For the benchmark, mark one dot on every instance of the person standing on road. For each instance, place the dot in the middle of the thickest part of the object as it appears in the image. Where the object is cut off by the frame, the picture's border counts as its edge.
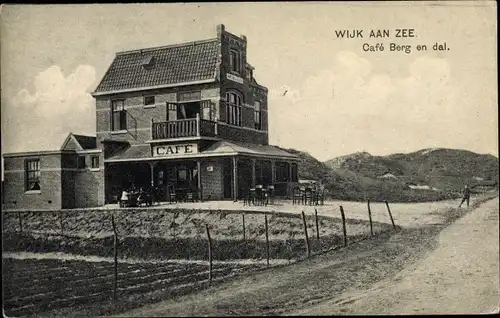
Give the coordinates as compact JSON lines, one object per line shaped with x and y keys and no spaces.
{"x":466,"y":196}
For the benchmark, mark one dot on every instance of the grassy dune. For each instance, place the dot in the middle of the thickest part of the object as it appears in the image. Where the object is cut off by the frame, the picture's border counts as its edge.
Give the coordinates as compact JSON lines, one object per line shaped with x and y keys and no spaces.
{"x":174,"y":234}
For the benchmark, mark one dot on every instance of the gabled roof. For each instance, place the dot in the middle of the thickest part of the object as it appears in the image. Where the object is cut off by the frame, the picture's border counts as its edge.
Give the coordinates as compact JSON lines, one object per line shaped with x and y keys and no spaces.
{"x":156,"y":67}
{"x":86,"y":142}
{"x":79,"y":142}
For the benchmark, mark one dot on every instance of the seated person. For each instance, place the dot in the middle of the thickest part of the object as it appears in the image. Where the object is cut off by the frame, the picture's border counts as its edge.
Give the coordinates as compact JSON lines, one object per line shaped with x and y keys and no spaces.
{"x":125,"y":196}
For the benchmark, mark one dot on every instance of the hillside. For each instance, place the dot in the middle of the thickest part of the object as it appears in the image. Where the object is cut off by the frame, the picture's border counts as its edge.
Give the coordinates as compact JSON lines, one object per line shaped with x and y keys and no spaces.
{"x":439,"y":170}
{"x":424,"y":175}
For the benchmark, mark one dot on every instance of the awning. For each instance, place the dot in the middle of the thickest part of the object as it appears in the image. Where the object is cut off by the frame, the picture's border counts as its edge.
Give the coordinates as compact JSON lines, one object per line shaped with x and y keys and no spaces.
{"x":223,"y":148}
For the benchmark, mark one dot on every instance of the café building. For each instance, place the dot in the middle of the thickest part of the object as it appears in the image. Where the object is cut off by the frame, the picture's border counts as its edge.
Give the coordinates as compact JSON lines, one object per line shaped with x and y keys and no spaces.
{"x":182,"y":116}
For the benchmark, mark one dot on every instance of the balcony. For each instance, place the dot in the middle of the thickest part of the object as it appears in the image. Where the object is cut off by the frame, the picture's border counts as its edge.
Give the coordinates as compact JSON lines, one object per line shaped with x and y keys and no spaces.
{"x":193,"y":127}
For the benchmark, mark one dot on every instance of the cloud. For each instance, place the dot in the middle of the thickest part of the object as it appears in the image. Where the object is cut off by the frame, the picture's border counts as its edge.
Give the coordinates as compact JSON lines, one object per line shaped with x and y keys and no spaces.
{"x":58,"y":105}
{"x":348,"y":107}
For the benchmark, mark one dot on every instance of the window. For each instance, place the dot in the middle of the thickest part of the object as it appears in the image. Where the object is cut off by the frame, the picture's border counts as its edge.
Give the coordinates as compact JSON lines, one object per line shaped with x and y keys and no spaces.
{"x":233,"y":108}
{"x":234,"y":61}
{"x":207,"y":110}
{"x":257,"y":115}
{"x":282,"y":172}
{"x":81,"y":162}
{"x":189,"y":96}
{"x":95,"y":162}
{"x":149,"y":100}
{"x":119,"y":116}
{"x":171,"y":111}
{"x":32,"y":175}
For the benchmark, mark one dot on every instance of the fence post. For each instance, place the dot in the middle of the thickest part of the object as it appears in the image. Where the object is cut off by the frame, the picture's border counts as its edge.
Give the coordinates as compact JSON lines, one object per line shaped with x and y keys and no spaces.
{"x":317,"y":224}
{"x":267,"y":240}
{"x":209,"y":254}
{"x":115,"y":249}
{"x":244,"y":232}
{"x":390,"y":214}
{"x":370,"y":217}
{"x":20,"y":222}
{"x":343,"y":225}
{"x":305,"y":233}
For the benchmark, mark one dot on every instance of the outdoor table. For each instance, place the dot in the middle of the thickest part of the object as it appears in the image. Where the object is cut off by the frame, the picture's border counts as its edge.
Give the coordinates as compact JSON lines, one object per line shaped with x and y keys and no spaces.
{"x":180,"y":193}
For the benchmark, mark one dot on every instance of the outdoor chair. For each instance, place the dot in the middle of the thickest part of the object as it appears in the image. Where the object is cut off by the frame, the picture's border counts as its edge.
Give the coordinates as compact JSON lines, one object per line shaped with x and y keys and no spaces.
{"x":297,"y":196}
{"x":248,"y":196}
{"x":189,"y":196}
{"x":308,"y":196}
{"x":320,"y":197}
{"x":259,"y":195}
{"x":270,"y":193}
{"x":172,"y":195}
{"x":145,"y":197}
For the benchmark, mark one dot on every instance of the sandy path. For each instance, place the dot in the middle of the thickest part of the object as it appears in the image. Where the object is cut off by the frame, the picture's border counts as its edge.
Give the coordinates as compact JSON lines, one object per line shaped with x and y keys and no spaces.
{"x":460,"y":277}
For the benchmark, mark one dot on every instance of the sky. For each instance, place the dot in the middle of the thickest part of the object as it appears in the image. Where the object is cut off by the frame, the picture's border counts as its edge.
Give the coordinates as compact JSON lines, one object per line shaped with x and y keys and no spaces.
{"x":339,"y":98}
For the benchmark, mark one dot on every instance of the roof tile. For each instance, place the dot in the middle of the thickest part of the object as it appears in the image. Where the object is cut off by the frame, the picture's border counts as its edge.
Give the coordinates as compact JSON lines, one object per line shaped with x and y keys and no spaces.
{"x":183,"y":63}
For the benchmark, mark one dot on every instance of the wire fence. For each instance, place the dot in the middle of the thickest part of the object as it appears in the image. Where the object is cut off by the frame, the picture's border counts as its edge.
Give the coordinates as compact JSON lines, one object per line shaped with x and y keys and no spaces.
{"x":266,"y":238}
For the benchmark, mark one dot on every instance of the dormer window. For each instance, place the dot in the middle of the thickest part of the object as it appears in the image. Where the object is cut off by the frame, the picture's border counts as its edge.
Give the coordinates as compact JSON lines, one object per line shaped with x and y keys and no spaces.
{"x":148,"y":61}
{"x":234,"y":61}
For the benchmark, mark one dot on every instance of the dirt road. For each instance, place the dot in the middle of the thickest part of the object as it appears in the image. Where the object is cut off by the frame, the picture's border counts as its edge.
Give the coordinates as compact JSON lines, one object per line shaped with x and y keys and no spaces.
{"x":416,"y":270}
{"x":461,"y":276}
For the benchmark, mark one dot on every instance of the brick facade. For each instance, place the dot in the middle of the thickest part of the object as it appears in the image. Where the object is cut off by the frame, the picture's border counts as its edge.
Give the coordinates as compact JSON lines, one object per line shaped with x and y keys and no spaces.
{"x":212,"y":181}
{"x":65,"y":183}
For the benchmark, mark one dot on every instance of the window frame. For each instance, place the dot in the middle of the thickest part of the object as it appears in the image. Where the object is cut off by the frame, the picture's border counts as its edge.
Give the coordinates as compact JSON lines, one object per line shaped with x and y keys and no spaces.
{"x":234,"y":65}
{"x":145,"y":97}
{"x":257,"y":115}
{"x":36,"y":170}
{"x":94,"y":159}
{"x":234,"y":109}
{"x":121,"y":113}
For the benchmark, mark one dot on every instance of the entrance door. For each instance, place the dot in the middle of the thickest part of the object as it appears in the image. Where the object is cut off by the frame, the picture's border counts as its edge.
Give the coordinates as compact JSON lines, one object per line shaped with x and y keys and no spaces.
{"x":227,"y":171}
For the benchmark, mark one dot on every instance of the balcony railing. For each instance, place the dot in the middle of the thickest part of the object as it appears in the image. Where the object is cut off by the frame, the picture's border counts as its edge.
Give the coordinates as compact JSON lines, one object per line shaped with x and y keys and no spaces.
{"x":182,"y":128}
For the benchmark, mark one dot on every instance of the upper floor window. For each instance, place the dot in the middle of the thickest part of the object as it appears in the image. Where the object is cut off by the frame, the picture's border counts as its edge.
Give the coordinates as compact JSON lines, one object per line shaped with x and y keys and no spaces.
{"x":149,"y":100}
{"x":257,"y":115}
{"x":94,"y":162}
{"x":32,"y":174}
{"x":119,"y":115}
{"x":234,"y":61}
{"x":233,"y":112}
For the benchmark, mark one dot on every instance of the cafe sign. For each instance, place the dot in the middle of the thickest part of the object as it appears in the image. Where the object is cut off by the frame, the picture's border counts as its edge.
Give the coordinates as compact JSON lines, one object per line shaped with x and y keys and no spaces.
{"x":174,"y":150}
{"x":234,"y":78}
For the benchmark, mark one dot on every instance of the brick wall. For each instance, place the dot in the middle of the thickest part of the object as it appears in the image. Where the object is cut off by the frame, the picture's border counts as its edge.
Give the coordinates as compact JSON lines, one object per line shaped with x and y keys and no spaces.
{"x":49,"y":196}
{"x":89,"y":188}
{"x":212,"y":181}
{"x":139,"y":119}
{"x":245,"y":135}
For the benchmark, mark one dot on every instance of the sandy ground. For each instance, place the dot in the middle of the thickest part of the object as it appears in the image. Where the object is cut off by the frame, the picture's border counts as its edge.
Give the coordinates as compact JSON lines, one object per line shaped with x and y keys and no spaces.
{"x":419,"y":270}
{"x":460,"y":277}
{"x":404,"y":214}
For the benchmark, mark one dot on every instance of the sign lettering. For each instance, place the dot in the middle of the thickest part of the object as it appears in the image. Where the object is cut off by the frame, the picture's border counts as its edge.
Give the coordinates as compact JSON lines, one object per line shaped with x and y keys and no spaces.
{"x":174,"y":150}
{"x":234,"y":78}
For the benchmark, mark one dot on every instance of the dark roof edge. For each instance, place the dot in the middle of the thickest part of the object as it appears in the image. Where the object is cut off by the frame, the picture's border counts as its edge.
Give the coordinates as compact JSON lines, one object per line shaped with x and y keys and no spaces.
{"x":167,"y":46}
{"x":37,"y":153}
{"x":145,"y":88}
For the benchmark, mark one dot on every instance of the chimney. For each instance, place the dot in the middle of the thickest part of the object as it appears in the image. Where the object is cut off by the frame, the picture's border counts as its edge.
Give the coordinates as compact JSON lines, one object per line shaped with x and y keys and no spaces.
{"x":220,"y":30}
